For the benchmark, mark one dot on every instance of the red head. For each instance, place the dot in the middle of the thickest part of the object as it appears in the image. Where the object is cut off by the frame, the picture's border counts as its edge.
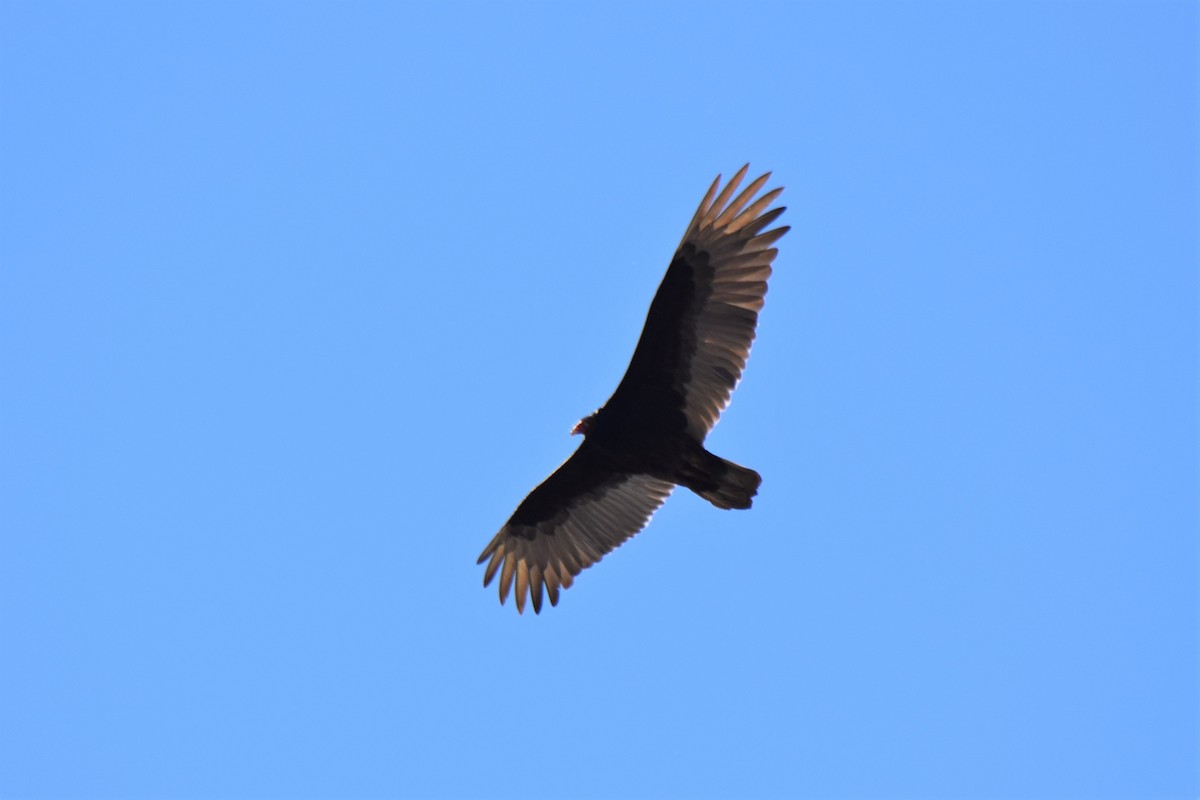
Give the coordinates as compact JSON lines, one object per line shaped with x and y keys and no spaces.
{"x":582,"y":427}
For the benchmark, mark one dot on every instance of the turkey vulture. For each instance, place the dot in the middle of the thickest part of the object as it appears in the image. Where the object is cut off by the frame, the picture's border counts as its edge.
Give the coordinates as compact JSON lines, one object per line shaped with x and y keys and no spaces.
{"x":649,"y":436}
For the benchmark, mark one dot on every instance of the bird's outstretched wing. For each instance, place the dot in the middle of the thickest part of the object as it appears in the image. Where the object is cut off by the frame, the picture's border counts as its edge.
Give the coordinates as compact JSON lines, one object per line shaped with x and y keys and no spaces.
{"x":701,"y":323}
{"x":584,"y":510}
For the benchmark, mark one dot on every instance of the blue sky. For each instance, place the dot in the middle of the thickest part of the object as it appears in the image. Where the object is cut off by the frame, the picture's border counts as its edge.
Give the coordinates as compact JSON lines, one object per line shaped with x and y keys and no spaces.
{"x":298,"y":300}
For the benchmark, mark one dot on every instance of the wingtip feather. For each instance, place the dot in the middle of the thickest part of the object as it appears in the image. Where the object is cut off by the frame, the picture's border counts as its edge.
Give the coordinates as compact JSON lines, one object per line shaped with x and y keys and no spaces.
{"x":522,"y":585}
{"x":490,"y":571}
{"x":535,"y":587}
{"x":719,"y":204}
{"x":731,"y":211}
{"x":506,"y":577}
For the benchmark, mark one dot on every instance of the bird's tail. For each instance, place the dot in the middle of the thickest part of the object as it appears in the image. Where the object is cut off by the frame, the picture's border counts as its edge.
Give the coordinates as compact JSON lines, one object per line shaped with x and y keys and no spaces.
{"x":727,"y":484}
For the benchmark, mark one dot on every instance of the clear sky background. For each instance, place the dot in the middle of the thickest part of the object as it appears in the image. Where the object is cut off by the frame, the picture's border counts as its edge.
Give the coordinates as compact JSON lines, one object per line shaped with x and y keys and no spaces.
{"x":298,"y":300}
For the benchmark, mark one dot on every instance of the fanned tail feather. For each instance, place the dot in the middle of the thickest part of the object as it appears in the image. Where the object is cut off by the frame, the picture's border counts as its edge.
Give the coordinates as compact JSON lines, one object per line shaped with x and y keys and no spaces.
{"x":735,"y":485}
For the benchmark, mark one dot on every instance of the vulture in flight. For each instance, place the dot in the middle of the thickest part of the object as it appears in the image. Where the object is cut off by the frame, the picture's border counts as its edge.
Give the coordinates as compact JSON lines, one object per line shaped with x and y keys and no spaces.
{"x":649,"y":437}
